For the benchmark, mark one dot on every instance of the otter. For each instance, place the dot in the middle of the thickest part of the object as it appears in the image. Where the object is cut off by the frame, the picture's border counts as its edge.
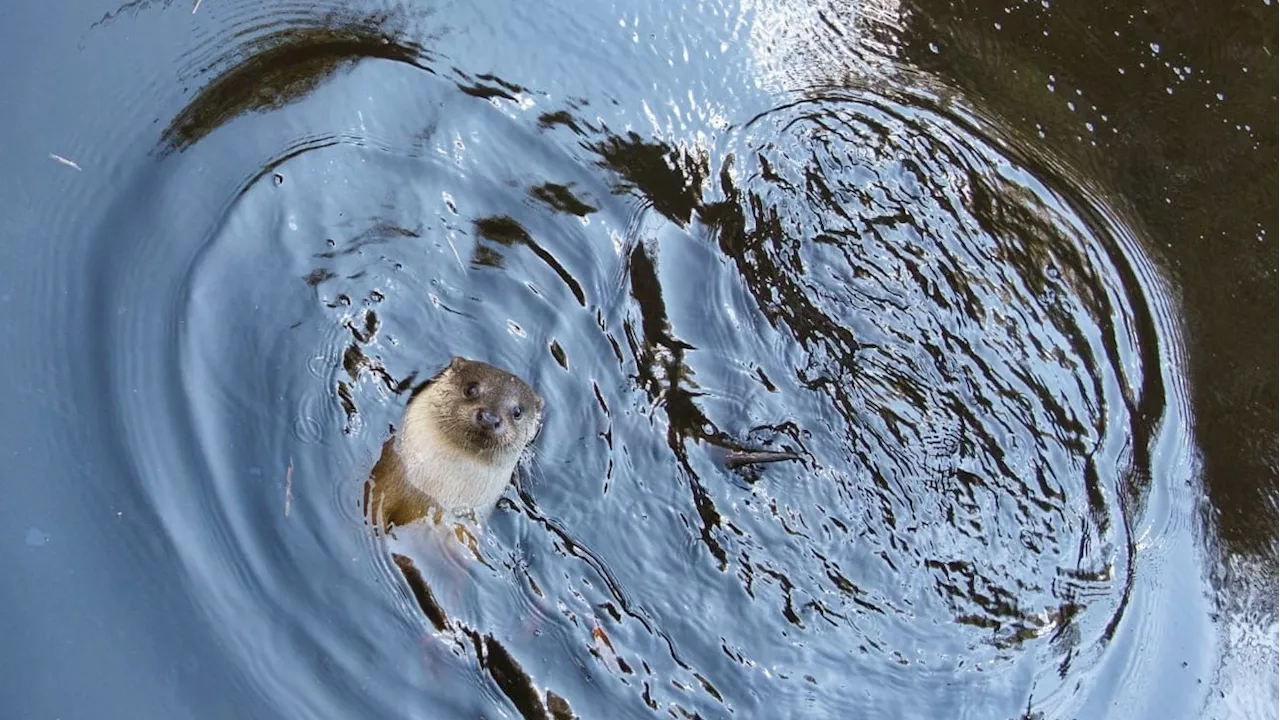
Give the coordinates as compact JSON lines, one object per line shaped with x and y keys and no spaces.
{"x":462,"y":435}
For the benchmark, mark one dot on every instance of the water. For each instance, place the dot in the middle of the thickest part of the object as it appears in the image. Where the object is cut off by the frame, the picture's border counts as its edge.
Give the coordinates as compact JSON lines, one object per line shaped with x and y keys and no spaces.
{"x":691,"y":228}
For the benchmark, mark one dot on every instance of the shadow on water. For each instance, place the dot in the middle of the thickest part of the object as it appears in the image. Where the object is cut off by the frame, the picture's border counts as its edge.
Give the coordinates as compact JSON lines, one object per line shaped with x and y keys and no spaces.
{"x":286,"y":65}
{"x":1171,"y":113}
{"x":1173,"y":107}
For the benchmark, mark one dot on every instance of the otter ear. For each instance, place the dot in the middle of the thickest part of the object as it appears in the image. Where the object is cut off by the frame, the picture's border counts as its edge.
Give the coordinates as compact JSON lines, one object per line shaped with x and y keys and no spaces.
{"x":458,"y":362}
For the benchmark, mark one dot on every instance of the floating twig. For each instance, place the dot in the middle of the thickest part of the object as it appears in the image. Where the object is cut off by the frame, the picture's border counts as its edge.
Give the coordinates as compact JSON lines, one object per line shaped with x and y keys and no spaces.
{"x":455,"y":253}
{"x":739,"y":458}
{"x":288,"y":486}
{"x":64,"y":161}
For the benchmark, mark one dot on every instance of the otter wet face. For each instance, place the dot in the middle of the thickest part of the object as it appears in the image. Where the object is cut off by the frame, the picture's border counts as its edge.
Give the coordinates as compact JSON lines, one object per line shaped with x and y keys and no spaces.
{"x":492,"y":409}
{"x":460,"y":441}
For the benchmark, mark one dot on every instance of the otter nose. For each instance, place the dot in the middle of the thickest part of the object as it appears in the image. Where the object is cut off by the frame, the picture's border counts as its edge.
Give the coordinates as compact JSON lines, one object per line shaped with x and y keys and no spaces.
{"x":488,"y":420}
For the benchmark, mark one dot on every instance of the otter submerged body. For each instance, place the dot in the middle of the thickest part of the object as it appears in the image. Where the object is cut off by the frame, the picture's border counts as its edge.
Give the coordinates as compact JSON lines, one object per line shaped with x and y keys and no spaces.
{"x":462,"y":436}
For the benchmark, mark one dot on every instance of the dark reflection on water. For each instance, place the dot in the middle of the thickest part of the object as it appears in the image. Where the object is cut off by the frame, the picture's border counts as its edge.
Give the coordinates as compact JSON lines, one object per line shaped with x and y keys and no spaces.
{"x":283,"y":66}
{"x":960,"y":346}
{"x":1175,"y":106}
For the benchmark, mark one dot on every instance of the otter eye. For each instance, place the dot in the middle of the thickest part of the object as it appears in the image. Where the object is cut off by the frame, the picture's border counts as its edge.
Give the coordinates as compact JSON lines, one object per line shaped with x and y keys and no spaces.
{"x":472,"y":390}
{"x":516,"y":412}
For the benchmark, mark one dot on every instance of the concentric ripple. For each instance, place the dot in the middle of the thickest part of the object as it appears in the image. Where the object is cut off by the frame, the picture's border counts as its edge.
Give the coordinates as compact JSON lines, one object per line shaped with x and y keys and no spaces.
{"x":954,"y":340}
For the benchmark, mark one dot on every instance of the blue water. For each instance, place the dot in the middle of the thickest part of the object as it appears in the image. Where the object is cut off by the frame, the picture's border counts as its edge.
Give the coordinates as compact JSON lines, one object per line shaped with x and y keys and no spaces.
{"x":690,"y":227}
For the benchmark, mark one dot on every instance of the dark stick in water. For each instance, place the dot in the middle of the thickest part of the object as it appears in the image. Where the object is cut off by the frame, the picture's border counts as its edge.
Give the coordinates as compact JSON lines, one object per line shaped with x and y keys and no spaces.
{"x":738,"y":458}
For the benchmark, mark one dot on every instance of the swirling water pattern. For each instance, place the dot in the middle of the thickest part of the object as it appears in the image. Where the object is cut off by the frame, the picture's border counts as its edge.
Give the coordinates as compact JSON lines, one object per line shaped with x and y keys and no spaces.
{"x":959,"y":339}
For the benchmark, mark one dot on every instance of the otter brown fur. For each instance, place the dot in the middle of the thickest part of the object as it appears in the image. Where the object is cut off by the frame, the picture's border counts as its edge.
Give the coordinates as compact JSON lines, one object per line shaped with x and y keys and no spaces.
{"x":462,"y":435}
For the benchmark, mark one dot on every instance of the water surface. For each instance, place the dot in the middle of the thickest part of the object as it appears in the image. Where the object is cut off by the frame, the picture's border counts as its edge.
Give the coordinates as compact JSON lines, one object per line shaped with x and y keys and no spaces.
{"x":692,"y":228}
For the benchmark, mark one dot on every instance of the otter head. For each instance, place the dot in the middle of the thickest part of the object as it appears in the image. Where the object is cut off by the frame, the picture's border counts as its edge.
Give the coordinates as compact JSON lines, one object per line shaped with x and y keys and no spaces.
{"x":483,"y":409}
